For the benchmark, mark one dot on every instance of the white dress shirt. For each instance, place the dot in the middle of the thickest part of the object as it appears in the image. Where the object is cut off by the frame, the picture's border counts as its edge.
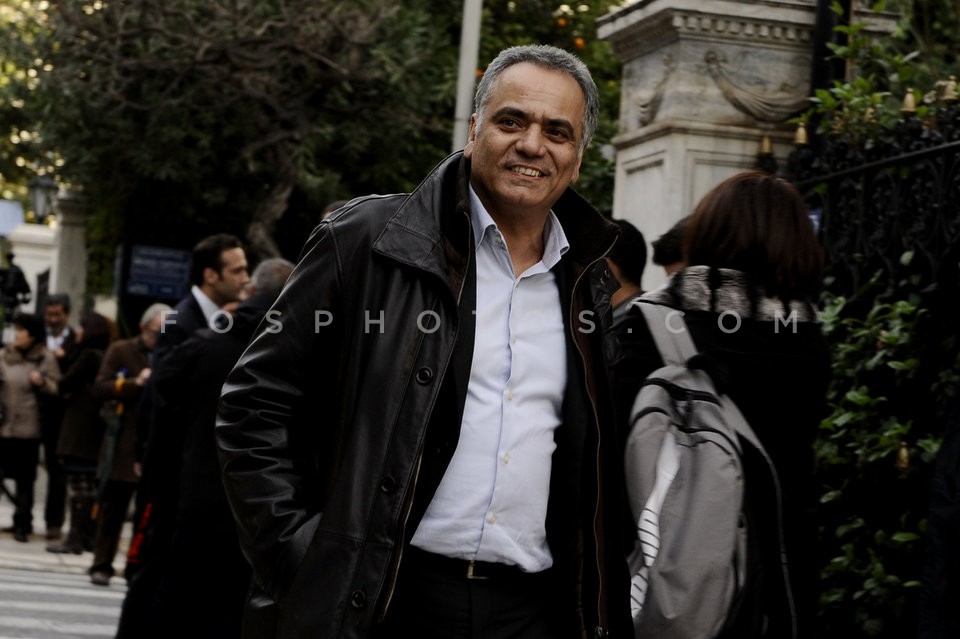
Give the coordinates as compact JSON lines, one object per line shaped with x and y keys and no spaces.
{"x":491,"y":504}
{"x":208,"y":307}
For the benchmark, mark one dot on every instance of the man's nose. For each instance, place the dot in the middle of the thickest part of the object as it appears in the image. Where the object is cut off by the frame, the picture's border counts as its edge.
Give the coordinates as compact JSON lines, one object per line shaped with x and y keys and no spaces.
{"x":531,"y":141}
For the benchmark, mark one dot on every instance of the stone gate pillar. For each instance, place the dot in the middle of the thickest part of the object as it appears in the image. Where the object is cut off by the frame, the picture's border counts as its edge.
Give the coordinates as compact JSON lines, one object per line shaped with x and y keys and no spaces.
{"x":68,"y":268}
{"x":704,"y":81}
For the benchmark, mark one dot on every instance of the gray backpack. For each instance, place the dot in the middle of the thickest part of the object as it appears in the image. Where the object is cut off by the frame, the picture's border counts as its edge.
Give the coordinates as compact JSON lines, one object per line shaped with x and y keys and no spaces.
{"x":685,"y":486}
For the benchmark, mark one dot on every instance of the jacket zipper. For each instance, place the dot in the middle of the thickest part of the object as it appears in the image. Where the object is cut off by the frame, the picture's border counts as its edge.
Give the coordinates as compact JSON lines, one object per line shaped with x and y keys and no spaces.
{"x":599,"y":631}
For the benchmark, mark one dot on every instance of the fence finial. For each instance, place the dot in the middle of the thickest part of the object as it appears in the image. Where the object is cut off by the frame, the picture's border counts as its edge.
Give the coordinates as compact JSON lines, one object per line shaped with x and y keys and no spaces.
{"x":909,"y":103}
{"x":800,"y":138}
{"x":950,"y":89}
{"x":766,"y":147}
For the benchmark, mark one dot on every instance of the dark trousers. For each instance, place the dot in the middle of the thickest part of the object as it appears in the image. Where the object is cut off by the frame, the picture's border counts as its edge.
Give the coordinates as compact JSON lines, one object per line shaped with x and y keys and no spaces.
{"x":111,"y":514}
{"x":55,"y":508}
{"x":18,"y":461}
{"x":436,"y":599}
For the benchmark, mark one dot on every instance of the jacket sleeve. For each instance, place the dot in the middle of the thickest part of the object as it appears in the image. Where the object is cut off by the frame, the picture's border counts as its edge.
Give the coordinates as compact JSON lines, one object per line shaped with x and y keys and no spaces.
{"x":105,"y":386}
{"x":51,"y":374}
{"x":79,"y":374}
{"x":272,"y":414}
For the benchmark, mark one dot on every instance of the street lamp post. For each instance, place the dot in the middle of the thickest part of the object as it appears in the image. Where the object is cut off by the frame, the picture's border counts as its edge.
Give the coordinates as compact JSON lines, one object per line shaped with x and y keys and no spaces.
{"x":43,"y":193}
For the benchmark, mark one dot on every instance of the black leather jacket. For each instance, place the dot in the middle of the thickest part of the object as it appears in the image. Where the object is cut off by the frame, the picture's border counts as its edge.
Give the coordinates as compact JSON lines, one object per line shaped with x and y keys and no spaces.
{"x":334,"y":431}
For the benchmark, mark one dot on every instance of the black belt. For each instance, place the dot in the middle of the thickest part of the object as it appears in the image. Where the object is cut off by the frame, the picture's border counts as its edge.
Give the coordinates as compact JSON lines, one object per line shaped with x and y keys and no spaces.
{"x":467,"y":568}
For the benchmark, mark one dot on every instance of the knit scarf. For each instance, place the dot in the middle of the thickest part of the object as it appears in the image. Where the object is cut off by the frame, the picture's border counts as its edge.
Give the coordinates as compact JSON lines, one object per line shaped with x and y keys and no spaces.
{"x":722,"y":290}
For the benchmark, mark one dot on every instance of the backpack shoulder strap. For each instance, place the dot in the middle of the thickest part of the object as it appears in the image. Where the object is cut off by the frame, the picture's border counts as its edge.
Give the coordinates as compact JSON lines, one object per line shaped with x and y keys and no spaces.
{"x":676,"y":347}
{"x":669,"y":332}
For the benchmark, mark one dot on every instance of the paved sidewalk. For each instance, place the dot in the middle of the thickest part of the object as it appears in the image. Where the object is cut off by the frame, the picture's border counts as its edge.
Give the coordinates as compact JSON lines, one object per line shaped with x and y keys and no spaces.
{"x":33,"y":555}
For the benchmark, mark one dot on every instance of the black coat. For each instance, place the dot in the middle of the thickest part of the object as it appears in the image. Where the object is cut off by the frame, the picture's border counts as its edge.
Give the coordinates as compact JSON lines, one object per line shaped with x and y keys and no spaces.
{"x":334,"y":435}
{"x":778,"y":378}
{"x":187,"y":390}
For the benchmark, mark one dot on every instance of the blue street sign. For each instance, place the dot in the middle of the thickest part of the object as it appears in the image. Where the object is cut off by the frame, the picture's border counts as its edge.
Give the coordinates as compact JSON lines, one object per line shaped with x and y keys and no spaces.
{"x":157,"y":271}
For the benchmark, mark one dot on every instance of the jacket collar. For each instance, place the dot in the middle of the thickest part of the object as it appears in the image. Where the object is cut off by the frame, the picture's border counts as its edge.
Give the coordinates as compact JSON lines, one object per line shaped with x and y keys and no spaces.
{"x":431,"y":227}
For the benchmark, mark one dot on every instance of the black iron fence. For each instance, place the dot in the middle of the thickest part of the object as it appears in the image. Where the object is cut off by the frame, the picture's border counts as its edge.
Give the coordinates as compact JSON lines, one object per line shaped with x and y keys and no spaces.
{"x":887,"y":208}
{"x":888,"y":211}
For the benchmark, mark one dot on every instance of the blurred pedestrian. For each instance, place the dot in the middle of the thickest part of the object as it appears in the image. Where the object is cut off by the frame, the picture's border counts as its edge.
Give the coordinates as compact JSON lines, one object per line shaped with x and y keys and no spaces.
{"x":424,"y":446}
{"x":60,"y":340}
{"x":81,"y":433}
{"x":119,"y":384}
{"x":27,"y":370}
{"x":747,"y":296}
{"x":204,"y":532}
{"x":627,"y":260}
{"x":668,"y":248}
{"x":218,"y":273}
{"x":331,"y":207}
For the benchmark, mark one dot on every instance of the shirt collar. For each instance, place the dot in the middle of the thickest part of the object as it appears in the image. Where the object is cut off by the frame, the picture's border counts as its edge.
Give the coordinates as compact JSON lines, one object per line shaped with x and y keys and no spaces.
{"x":555,"y":240}
{"x":207,"y":305}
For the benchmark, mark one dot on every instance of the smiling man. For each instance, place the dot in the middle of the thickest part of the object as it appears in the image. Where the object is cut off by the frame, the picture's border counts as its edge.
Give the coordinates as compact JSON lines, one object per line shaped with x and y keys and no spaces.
{"x":426,"y":446}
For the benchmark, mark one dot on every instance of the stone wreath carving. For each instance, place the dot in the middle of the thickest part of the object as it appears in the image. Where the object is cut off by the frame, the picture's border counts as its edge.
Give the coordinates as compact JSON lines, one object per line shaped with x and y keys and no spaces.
{"x":647,"y":107}
{"x":765,"y":109}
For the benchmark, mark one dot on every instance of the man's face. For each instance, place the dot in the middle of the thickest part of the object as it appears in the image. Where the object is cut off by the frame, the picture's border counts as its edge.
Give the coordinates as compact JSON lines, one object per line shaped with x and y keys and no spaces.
{"x":55,"y":316}
{"x":526,"y":149}
{"x":227,"y":285}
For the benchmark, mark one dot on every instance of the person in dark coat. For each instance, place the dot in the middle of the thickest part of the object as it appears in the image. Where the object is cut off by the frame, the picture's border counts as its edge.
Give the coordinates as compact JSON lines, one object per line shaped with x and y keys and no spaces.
{"x":627,"y":260}
{"x":218,"y":274}
{"x":424,"y":445}
{"x":61,"y":339}
{"x":119,"y":384}
{"x":204,"y":534}
{"x":82,"y":430}
{"x":746,"y":294}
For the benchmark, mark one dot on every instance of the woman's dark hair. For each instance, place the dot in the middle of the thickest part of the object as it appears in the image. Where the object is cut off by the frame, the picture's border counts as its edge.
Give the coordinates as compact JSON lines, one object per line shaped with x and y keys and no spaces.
{"x":96,"y":331}
{"x":759,"y":224}
{"x":34,"y":326}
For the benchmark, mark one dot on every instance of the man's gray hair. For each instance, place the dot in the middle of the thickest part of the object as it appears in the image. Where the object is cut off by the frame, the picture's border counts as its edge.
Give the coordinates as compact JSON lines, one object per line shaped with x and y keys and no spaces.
{"x":153,"y":312}
{"x":270,"y":275}
{"x":548,"y":57}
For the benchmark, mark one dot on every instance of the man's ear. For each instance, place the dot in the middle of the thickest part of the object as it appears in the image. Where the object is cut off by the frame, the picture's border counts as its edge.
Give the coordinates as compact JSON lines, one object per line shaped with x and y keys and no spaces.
{"x":471,"y":137}
{"x":210,"y":276}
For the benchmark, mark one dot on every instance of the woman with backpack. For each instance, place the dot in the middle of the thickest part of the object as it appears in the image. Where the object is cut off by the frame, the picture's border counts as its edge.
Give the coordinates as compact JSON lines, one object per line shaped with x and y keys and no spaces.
{"x":747,"y":296}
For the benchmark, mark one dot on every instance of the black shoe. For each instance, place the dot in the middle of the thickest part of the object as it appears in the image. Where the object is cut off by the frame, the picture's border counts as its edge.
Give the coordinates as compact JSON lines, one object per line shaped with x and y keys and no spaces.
{"x":13,"y":529}
{"x":65,"y":548}
{"x":100,"y":578}
{"x":20,"y":534}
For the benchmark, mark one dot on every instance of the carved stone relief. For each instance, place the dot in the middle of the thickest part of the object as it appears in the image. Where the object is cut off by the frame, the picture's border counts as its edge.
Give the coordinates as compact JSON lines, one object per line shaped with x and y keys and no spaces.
{"x":773,"y":108}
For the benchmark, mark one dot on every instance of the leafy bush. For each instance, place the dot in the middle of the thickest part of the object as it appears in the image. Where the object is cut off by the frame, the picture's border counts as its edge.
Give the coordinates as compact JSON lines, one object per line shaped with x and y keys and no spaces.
{"x":874,"y":455}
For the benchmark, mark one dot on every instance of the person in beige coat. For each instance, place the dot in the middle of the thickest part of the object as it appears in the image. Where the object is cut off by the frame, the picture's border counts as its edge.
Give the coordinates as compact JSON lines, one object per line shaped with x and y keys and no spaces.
{"x":26,"y":369}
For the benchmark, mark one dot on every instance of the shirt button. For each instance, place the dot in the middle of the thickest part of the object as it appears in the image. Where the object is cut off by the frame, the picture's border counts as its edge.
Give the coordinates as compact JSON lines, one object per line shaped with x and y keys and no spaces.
{"x":506,"y":458}
{"x":513,"y":340}
{"x":493,"y":519}
{"x":509,"y":396}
